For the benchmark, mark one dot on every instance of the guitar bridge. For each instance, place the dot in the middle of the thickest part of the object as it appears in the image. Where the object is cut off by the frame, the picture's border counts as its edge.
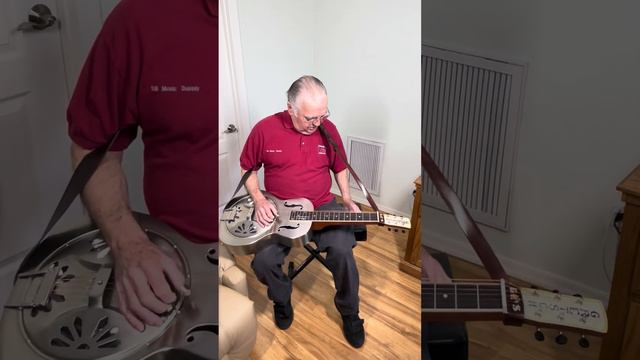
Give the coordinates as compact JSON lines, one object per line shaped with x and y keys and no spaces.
{"x":33,"y":289}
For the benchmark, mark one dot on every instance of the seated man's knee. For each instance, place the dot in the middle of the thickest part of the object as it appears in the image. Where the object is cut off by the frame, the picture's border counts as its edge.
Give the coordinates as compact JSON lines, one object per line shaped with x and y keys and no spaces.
{"x":342,"y":251}
{"x":261,"y":263}
{"x":267,"y":259}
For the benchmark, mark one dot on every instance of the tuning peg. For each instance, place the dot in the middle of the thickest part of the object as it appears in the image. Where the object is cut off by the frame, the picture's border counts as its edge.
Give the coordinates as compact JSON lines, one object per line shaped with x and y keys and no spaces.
{"x":561,"y":339}
{"x":539,"y":335}
{"x":584,"y":342}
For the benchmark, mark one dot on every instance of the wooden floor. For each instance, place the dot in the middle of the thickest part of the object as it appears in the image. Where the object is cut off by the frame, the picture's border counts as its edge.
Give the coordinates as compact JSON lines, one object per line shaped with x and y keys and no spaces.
{"x":389,"y":304}
{"x":494,"y":341}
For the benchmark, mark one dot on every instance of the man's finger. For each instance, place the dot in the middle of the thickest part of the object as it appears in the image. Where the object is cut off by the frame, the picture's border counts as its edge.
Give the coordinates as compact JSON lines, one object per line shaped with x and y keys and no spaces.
{"x":273,"y":209}
{"x":175,"y":276}
{"x":268,"y":214}
{"x":143,"y":290}
{"x":122,"y":305}
{"x":260,"y":219}
{"x":161,"y":288}
{"x":136,"y":307}
{"x":263,"y":219}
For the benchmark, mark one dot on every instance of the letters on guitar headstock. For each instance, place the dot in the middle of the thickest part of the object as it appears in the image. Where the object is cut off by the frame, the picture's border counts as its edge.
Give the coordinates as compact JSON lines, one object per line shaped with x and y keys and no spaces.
{"x":395,"y":221}
{"x":563,"y":312}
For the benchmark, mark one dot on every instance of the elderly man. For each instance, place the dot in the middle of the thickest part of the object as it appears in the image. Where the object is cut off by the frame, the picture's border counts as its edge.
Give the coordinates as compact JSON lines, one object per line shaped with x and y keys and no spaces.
{"x":297,"y":162}
{"x":125,"y":86}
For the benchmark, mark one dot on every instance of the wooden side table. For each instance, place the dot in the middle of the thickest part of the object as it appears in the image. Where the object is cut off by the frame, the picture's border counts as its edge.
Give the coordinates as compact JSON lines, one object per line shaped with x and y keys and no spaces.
{"x":412,"y":262}
{"x":622,"y":342}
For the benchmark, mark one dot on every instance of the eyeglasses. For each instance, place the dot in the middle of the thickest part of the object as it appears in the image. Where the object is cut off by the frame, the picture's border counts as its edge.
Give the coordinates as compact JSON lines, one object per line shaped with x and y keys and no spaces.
{"x":320,"y":118}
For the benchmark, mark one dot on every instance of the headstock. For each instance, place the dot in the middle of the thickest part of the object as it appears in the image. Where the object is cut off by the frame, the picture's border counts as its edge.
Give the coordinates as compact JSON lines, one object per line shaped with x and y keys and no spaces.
{"x":562,"y":312}
{"x":394,"y":221}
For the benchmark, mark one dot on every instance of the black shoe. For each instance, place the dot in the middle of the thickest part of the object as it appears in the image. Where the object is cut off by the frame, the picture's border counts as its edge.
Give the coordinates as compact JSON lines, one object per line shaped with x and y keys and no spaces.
{"x":283,"y":314}
{"x":353,"y":330}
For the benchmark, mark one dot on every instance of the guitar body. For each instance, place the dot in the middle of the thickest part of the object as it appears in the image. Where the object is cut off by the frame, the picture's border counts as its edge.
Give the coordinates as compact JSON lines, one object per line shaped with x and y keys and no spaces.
{"x":64,"y":304}
{"x":242,"y":234}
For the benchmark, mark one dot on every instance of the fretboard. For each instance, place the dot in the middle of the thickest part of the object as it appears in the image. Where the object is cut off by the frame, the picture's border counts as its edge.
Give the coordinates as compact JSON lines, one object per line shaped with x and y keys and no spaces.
{"x":334,"y":216}
{"x":463,"y":297}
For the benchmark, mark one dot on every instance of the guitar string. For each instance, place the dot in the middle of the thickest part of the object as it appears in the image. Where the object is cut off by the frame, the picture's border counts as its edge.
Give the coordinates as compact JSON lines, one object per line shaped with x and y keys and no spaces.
{"x":463,"y":290}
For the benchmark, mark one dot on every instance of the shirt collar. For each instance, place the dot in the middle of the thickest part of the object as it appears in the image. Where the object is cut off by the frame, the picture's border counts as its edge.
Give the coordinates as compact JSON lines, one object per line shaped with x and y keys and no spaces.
{"x":287,"y":122}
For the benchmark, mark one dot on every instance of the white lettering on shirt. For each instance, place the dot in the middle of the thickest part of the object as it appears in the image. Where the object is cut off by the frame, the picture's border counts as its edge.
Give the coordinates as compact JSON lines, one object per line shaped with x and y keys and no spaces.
{"x":273,"y":151}
{"x":173,"y":89}
{"x":190,"y":88}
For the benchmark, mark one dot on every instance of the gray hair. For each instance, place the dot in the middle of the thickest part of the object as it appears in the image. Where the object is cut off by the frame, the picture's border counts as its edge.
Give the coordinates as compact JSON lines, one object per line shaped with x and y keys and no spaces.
{"x":304,"y":82}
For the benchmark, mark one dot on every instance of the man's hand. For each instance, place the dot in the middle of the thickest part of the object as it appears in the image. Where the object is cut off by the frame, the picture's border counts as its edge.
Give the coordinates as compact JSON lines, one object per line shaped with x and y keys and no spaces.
{"x":141,"y":268}
{"x":266,"y":212}
{"x":144,"y":275}
{"x":432,"y":271}
{"x":350,"y":205}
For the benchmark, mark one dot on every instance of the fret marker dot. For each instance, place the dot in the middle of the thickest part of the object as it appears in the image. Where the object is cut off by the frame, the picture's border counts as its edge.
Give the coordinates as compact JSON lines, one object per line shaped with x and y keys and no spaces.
{"x":445,"y":296}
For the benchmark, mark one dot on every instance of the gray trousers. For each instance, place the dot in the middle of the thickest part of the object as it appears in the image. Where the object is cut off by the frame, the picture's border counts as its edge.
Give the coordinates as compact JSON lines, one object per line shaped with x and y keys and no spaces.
{"x":338,"y":243}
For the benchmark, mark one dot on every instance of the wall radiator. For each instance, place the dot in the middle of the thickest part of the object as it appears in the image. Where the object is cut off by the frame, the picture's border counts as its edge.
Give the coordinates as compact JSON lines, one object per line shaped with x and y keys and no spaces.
{"x":470,"y":116}
{"x":365,"y":157}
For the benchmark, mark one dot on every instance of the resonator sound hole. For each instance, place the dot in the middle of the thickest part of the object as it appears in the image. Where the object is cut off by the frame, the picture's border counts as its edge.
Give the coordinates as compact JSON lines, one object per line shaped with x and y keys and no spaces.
{"x":75,"y":337}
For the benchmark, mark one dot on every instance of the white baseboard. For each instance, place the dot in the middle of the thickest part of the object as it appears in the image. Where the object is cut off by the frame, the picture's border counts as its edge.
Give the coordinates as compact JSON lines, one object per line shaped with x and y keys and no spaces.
{"x":518,"y":269}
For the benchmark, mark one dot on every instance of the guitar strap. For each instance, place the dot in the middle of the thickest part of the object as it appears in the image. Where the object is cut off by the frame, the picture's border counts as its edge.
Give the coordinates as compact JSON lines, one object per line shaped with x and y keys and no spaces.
{"x":336,"y":150}
{"x":79,"y":179}
{"x":240,"y":184}
{"x":464,"y":220}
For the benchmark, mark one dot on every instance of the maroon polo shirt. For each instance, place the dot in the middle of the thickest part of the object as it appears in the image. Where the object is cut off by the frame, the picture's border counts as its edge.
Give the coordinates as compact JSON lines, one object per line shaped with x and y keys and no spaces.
{"x":154,"y":66}
{"x":295,"y":165}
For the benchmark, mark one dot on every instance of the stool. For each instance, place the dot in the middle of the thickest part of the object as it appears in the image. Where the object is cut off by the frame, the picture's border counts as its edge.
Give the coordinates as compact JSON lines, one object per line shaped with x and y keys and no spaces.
{"x":446,"y":340}
{"x":360,"y":232}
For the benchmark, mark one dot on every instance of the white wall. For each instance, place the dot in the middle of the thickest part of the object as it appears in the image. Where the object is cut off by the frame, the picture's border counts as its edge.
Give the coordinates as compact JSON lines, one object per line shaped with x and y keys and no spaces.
{"x":367,"y":55}
{"x":579,"y":134}
{"x":277,"y":38}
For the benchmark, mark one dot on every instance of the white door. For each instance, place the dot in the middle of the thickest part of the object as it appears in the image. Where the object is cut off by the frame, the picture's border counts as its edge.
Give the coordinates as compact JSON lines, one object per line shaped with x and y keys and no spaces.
{"x":233,"y":112}
{"x":81,"y":22}
{"x":34,"y":149}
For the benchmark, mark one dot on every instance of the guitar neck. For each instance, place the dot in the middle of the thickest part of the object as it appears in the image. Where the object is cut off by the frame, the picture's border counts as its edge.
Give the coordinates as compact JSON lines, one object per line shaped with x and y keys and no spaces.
{"x":336,"y":217}
{"x":473,"y":301}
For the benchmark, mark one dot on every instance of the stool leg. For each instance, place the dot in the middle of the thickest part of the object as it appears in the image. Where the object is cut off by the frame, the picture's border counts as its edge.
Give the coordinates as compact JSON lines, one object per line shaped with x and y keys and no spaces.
{"x":314,"y":254}
{"x":294,"y":272}
{"x":317,"y":255}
